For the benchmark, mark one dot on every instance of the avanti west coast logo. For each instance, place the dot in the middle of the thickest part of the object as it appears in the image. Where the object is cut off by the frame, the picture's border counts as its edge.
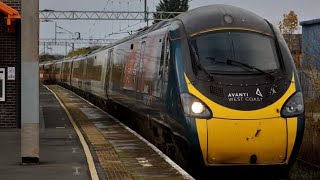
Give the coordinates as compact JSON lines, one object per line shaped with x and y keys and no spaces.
{"x":243,"y":96}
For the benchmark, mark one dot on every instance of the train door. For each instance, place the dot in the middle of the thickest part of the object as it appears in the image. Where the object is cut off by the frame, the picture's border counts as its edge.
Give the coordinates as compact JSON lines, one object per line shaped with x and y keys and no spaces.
{"x":41,"y":72}
{"x":60,"y":72}
{"x":86,"y":79}
{"x":50,"y":69}
{"x":139,"y":73}
{"x":81,"y":78}
{"x":107,"y":83}
{"x":70,"y":64}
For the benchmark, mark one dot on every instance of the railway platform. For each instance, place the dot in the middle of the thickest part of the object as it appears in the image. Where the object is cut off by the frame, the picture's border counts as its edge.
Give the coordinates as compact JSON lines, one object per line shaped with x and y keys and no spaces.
{"x":61,"y":154}
{"x":80,"y":141}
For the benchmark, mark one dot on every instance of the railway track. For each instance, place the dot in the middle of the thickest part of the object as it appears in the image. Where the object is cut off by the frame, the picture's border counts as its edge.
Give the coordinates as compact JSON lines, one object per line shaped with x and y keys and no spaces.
{"x":315,"y":166}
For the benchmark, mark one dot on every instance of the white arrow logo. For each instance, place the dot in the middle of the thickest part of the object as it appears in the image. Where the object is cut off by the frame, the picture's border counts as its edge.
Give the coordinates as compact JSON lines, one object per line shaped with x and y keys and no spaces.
{"x":258,"y":92}
{"x":273,"y":91}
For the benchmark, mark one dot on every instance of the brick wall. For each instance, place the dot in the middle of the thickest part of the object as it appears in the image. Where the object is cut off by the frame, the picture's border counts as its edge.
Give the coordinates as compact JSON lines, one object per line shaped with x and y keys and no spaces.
{"x":10,"y":57}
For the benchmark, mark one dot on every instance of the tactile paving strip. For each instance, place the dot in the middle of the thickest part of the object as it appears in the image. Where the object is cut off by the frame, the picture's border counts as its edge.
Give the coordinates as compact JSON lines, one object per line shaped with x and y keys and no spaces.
{"x":108,"y":158}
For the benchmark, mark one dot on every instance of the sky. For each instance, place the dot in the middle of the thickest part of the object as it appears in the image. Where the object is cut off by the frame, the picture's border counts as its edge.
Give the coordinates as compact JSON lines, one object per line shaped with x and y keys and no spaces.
{"x":271,"y":10}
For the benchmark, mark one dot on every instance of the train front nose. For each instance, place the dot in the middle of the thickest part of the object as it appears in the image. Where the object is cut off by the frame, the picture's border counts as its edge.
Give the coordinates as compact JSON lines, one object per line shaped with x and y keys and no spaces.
{"x":254,"y":141}
{"x":249,"y":125}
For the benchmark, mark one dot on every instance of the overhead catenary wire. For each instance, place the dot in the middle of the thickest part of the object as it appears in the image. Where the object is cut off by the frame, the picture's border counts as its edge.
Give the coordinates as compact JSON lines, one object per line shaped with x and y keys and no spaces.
{"x":120,"y":31}
{"x":114,"y":6}
{"x":94,"y":29}
{"x":104,"y":8}
{"x":117,"y":7}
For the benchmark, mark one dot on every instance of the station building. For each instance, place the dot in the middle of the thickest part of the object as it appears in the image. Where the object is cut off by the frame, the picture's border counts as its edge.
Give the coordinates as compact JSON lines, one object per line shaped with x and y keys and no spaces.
{"x":311,"y":40}
{"x":10,"y":62}
{"x":311,"y":55}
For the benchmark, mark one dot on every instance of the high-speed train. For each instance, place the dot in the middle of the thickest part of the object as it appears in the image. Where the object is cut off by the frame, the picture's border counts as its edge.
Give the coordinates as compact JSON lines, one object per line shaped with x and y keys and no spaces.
{"x":214,"y":86}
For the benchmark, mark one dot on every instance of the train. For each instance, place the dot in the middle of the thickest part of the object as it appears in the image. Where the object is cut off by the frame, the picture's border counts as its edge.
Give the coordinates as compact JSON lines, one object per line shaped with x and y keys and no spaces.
{"x":215,"y":86}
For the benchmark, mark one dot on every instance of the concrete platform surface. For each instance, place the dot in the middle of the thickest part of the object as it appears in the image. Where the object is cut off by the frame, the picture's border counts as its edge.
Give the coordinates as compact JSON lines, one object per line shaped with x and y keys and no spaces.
{"x":61,"y":154}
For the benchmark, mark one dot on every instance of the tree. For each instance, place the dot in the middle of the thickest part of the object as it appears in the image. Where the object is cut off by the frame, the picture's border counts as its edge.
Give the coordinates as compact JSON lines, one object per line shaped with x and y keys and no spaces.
{"x":288,"y":26}
{"x":171,"y":6}
{"x":82,"y":51}
{"x":50,"y":57}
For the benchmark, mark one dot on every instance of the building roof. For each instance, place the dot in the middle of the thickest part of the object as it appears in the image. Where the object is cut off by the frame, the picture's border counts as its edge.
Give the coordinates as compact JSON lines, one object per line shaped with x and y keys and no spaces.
{"x":12,"y":15}
{"x":310,"y":22}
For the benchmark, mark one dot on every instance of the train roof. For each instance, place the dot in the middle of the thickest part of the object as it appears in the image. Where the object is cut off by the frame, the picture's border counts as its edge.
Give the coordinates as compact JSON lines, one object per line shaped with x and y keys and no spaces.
{"x":140,"y":32}
{"x":214,"y":16}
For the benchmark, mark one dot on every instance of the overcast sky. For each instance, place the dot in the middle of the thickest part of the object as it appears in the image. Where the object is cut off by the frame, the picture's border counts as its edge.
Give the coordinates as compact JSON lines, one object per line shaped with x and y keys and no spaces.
{"x":271,"y":10}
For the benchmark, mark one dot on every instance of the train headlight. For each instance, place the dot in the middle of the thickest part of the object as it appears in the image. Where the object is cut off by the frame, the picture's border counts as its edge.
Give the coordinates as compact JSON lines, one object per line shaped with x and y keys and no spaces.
{"x":194,"y":107}
{"x":197,"y":107}
{"x":294,"y":106}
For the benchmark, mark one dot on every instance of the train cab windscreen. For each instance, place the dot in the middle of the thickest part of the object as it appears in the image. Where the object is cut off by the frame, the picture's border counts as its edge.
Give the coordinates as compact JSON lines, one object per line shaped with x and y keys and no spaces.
{"x":236,"y":52}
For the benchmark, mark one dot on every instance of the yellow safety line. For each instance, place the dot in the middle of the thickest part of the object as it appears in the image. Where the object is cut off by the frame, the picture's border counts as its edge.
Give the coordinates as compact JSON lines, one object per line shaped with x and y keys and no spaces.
{"x":92,"y":168}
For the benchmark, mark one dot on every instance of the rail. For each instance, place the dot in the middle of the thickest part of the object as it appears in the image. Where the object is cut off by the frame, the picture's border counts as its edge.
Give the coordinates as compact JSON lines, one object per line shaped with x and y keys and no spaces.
{"x":315,"y":166}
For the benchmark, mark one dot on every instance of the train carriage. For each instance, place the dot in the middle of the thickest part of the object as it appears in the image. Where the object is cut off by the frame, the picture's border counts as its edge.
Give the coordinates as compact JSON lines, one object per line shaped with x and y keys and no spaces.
{"x":95,"y":73}
{"x":215,"y":86}
{"x":237,"y":87}
{"x":78,"y":74}
{"x":57,"y":72}
{"x":66,"y":72}
{"x":45,"y":70}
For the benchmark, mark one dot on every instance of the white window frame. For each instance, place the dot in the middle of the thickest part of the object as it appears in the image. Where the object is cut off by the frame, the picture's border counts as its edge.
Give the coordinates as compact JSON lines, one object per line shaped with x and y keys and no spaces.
{"x":3,"y":78}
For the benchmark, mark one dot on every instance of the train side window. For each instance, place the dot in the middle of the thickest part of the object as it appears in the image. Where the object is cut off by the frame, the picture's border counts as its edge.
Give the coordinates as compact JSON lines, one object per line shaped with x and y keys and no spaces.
{"x":166,"y":60}
{"x":162,"y":58}
{"x":164,"y":63}
{"x":108,"y":71}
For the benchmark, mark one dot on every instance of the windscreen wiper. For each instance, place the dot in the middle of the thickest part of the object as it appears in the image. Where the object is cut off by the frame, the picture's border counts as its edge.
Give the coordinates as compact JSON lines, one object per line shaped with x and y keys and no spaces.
{"x":237,"y":63}
{"x":198,"y":61}
{"x":195,"y":53}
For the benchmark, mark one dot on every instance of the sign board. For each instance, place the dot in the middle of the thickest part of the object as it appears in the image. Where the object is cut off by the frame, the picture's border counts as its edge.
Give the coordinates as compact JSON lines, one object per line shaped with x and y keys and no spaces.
{"x":2,"y":84}
{"x":11,"y":73}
